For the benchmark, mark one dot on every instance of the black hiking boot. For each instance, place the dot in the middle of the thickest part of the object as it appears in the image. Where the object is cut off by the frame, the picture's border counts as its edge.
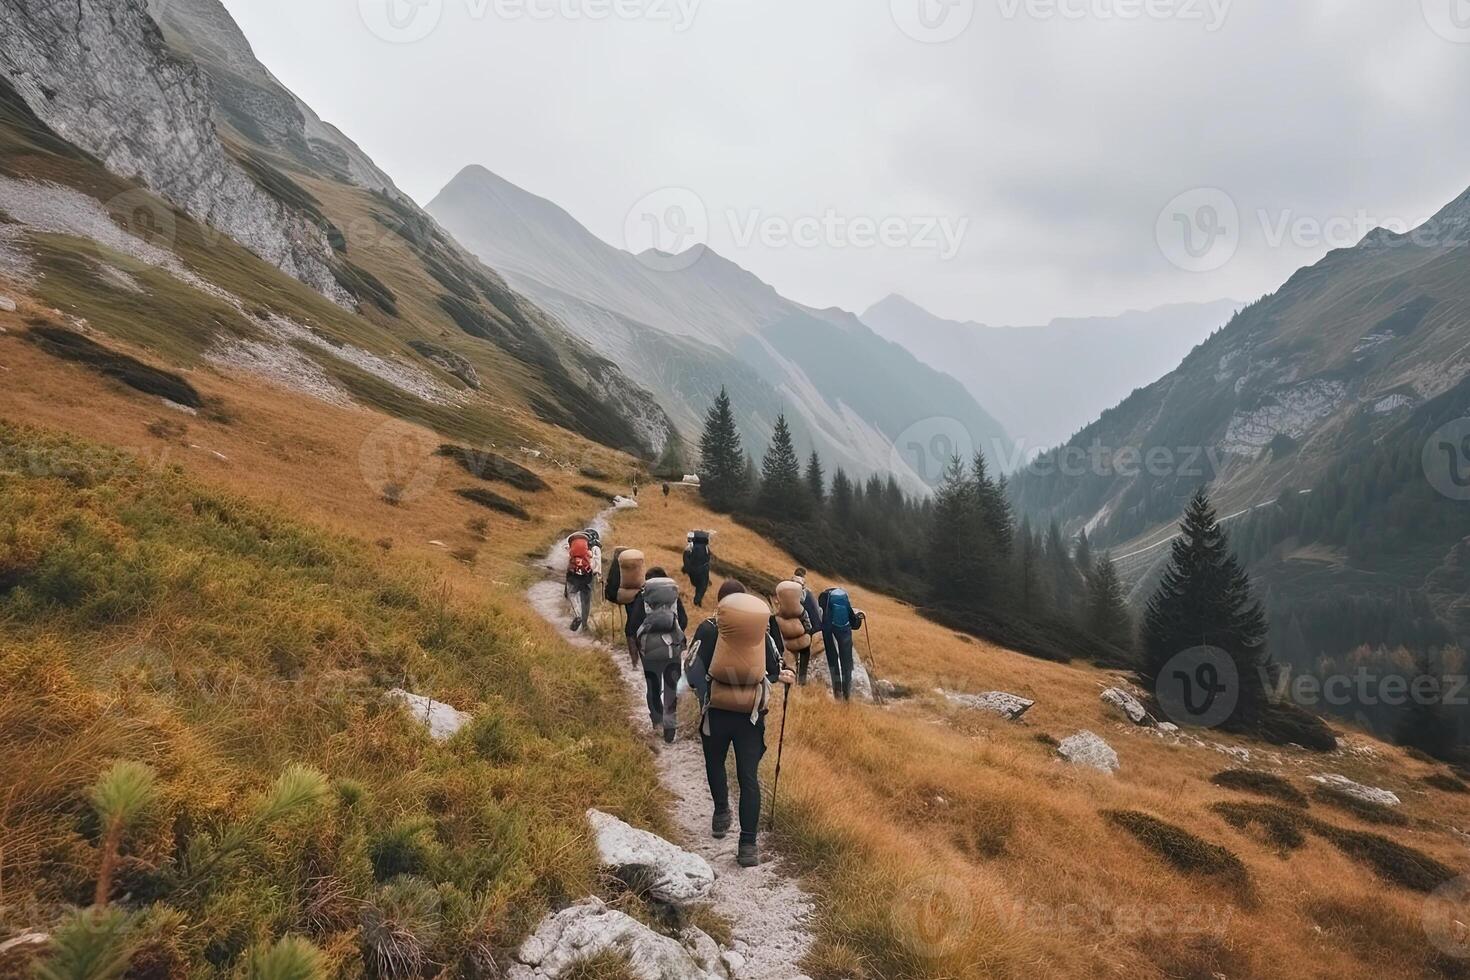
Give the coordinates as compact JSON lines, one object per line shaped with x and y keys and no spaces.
{"x":720,"y":825}
{"x":670,"y":734}
{"x":576,"y":624}
{"x":748,"y":856}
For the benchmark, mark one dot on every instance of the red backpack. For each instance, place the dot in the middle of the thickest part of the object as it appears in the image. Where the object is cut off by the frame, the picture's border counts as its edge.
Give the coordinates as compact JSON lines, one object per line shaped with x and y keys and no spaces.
{"x":579,"y":561}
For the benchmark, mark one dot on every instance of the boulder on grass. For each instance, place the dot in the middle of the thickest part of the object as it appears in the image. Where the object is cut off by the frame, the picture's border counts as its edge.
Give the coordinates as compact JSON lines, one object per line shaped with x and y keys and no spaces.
{"x":577,"y":935}
{"x":1367,"y":794}
{"x":1130,"y":706}
{"x":1009,"y":706}
{"x":1086,"y":749}
{"x":442,"y":721}
{"x":650,"y":864}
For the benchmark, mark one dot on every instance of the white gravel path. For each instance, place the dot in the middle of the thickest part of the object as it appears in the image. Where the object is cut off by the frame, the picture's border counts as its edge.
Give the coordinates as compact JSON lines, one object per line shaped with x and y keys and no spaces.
{"x":768,"y":911}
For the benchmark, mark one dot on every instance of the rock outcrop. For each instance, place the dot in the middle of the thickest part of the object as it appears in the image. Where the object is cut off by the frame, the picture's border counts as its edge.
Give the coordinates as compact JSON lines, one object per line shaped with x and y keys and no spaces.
{"x":99,"y":73}
{"x":442,"y":721}
{"x":1087,"y":749}
{"x":590,"y":929}
{"x":1009,"y":706}
{"x":651,"y":865}
{"x":1129,"y":705}
{"x":1367,"y":794}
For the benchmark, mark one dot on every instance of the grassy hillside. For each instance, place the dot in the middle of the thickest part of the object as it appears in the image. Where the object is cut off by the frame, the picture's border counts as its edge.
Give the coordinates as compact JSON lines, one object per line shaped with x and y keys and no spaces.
{"x":148,"y":618}
{"x":945,"y":843}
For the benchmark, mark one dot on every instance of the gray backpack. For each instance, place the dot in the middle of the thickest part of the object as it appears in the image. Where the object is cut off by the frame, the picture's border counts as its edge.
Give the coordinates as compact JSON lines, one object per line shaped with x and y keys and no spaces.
{"x":660,"y":640}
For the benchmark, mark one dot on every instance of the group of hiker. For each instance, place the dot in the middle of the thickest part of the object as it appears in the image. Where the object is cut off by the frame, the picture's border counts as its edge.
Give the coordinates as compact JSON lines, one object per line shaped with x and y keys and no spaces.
{"x":732,"y":663}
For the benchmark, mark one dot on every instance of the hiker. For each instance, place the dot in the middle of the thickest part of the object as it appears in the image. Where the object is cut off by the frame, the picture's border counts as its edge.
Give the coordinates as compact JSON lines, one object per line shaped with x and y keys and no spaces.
{"x":657,"y":626}
{"x":584,"y":568}
{"x":667,"y":491}
{"x":795,"y":625}
{"x":839,"y":619}
{"x":814,"y":615}
{"x":732,"y":664}
{"x":697,"y":560}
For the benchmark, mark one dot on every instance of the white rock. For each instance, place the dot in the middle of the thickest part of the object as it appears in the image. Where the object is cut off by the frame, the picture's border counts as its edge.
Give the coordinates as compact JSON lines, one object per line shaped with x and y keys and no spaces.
{"x":7,"y":304}
{"x":23,"y":940}
{"x":995,"y":702}
{"x":1345,"y":786}
{"x":673,"y":875}
{"x":590,"y":929}
{"x":1129,"y":705}
{"x":624,"y":503}
{"x":1239,"y":752}
{"x":1168,"y":726}
{"x":1086,"y":749}
{"x":442,"y":721}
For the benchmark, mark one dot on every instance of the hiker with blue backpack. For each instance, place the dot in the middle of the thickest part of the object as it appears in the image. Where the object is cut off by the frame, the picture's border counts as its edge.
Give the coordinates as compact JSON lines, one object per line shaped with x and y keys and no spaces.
{"x":839,"y":619}
{"x":656,"y":632}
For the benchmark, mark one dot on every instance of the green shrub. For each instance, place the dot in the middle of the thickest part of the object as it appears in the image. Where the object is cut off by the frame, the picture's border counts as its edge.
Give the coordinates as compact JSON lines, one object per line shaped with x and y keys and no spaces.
{"x":1282,"y":827}
{"x":1392,"y":861}
{"x":1261,"y":784}
{"x":1362,"y":809}
{"x":1180,"y":848}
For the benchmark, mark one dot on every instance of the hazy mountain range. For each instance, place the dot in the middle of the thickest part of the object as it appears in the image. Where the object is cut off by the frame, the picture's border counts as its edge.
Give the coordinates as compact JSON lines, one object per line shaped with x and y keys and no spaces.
{"x":1045,"y":382}
{"x":684,"y":332}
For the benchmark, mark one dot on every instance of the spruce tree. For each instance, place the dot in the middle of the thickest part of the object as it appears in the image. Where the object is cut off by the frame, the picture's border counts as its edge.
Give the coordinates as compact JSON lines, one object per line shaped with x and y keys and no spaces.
{"x":1067,"y":589}
{"x":1107,"y":606}
{"x":1030,"y":584}
{"x":842,"y":495}
{"x":816,"y":479}
{"x":782,"y":493}
{"x":1205,"y":599}
{"x":955,"y":546}
{"x":1425,"y":723}
{"x":722,"y":460}
{"x":995,"y":507}
{"x":1082,"y":557}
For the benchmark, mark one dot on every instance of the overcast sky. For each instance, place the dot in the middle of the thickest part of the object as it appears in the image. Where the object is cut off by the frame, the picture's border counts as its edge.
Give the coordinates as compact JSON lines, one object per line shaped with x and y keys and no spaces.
{"x":1027,"y":167}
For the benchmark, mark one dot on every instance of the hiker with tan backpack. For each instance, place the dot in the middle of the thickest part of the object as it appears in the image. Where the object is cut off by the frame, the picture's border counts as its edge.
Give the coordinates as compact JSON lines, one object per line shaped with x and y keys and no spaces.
{"x":656,"y":631}
{"x":798,"y":620}
{"x":733,"y":663}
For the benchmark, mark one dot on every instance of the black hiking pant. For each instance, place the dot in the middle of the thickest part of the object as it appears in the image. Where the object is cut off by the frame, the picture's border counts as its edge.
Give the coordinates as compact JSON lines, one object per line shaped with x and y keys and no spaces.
{"x":803,"y":665}
{"x":663,"y":694}
{"x":700,"y":581}
{"x":839,"y":661}
{"x":579,"y":594}
{"x":727,"y":729}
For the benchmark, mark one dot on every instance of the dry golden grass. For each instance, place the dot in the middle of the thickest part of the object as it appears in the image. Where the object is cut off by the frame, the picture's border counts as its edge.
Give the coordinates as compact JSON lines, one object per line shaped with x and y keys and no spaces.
{"x":942,"y":843}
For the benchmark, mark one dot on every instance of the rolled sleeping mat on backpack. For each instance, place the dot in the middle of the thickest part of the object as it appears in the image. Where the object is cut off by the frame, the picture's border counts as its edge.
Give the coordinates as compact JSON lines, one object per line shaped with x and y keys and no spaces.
{"x":632,"y":574}
{"x":737,"y":673}
{"x":789,"y":613}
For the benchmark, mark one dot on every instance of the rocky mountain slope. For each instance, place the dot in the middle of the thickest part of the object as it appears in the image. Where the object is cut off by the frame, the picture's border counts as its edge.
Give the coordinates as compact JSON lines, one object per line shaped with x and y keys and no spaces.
{"x":1323,"y":417}
{"x":174,"y":148}
{"x":1045,"y":382}
{"x":684,"y":329}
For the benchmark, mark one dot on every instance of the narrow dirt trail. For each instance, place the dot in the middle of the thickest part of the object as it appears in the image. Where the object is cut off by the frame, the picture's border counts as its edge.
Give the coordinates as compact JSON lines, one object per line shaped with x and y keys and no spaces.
{"x":768,"y":911}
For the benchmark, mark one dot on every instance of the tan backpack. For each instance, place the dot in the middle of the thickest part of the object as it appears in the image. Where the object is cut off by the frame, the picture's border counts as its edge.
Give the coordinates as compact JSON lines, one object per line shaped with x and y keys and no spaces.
{"x":791,"y":617}
{"x":737,"y":672}
{"x":632,"y":575}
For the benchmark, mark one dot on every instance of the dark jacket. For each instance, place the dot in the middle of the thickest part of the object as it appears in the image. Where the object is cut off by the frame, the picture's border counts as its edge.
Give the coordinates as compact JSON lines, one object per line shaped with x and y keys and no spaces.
{"x":705,"y":640}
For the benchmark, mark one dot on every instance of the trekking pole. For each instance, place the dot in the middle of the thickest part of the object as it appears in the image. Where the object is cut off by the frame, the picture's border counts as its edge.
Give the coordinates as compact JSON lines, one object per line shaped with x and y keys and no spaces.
{"x":780,"y":749}
{"x":872,"y":665}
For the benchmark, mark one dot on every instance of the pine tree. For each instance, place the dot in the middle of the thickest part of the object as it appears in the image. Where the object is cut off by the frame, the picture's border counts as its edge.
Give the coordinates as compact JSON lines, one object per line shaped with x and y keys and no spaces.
{"x":841,"y":496}
{"x":955,"y":570}
{"x":1067,"y":589}
{"x":1205,"y":600}
{"x":782,"y":493}
{"x":816,"y":479}
{"x":1426,"y":724}
{"x":1030,"y":585}
{"x":723,"y":474}
{"x":1107,"y":606}
{"x":1082,"y":557}
{"x":995,"y":507}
